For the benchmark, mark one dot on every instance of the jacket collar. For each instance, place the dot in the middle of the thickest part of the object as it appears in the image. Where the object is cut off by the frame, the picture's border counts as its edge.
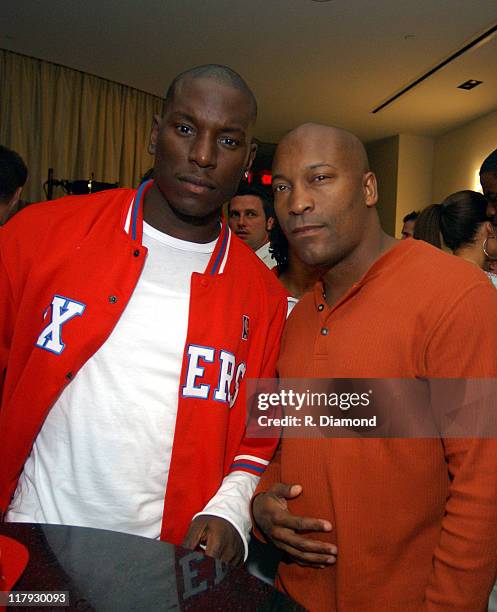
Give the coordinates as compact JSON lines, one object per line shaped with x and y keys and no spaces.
{"x":133,"y":226}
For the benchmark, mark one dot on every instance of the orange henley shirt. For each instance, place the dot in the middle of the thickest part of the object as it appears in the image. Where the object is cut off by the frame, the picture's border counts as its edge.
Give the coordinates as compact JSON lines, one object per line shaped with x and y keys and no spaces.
{"x":415,"y":520}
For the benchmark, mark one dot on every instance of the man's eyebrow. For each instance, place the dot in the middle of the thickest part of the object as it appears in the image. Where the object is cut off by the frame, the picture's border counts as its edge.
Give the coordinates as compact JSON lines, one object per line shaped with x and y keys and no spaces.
{"x":182,"y":115}
{"x":321,"y":165}
{"x":309,"y":167}
{"x":223,"y":128}
{"x":232,"y":129}
{"x":244,"y":210}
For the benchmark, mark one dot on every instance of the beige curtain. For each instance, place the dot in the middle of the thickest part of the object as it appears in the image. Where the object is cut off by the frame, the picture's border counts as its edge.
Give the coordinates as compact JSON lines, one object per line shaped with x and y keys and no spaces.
{"x":73,"y":122}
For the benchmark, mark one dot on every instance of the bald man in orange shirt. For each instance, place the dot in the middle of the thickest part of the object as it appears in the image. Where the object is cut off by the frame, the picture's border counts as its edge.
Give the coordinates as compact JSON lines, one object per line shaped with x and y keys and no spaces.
{"x":374,"y":525}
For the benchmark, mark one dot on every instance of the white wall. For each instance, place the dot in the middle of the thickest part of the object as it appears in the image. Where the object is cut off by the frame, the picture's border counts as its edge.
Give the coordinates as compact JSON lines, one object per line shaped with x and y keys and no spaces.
{"x":414,"y":176}
{"x":459,"y":154}
{"x":383,"y":160}
{"x":403,"y":165}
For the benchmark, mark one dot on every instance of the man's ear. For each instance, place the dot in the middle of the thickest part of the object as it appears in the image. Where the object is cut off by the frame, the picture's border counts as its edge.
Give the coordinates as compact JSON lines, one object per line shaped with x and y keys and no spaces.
{"x":370,"y":188}
{"x":489,"y":230}
{"x":9,"y":208}
{"x":154,"y":134}
{"x":269,"y":223}
{"x":251,"y":157}
{"x":15,"y":198}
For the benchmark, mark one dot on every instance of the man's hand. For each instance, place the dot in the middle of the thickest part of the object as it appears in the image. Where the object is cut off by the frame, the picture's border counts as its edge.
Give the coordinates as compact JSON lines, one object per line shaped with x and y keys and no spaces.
{"x":270,"y":511}
{"x":220,"y":538}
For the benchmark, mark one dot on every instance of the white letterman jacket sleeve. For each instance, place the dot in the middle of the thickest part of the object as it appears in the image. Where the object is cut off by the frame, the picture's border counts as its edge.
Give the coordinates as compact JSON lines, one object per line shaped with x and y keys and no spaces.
{"x":232,"y":503}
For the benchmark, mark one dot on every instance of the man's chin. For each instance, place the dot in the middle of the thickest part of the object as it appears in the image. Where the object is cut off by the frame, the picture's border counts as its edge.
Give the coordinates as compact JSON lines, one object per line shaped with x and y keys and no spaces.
{"x":195,"y":209}
{"x":312,"y":258}
{"x":243,"y":237}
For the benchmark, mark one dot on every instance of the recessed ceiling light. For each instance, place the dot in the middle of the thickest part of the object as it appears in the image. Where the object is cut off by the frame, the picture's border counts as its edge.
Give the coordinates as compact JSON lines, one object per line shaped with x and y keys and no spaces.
{"x":470,"y":84}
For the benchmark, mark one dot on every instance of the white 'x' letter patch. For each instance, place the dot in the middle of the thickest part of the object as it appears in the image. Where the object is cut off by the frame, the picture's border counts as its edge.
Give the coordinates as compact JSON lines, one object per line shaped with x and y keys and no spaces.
{"x":63,"y":309}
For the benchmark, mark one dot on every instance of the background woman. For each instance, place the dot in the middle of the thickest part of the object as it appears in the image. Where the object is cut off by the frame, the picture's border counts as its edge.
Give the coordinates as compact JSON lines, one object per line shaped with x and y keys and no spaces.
{"x":461,"y":222}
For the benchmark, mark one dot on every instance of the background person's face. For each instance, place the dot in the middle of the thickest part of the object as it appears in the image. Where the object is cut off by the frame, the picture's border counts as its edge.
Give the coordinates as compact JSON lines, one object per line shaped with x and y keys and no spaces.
{"x":248,"y":221}
{"x":203,"y":146}
{"x":408,"y":229}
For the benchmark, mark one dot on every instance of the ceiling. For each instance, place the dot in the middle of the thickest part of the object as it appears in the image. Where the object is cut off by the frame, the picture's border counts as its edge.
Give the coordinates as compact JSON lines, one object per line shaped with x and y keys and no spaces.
{"x":331,"y":62}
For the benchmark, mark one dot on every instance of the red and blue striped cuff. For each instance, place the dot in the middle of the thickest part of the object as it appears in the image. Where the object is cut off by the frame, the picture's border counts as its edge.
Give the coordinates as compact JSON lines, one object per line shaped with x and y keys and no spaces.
{"x":250,"y":464}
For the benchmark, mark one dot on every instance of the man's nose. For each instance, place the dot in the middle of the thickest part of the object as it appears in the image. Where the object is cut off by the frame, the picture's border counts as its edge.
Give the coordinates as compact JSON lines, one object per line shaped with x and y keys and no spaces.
{"x":203,"y":151}
{"x":300,"y":201}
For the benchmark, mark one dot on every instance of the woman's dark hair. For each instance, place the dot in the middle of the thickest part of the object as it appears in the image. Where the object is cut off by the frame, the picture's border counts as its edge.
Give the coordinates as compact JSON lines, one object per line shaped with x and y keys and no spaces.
{"x":278,"y":246}
{"x":457,"y":219}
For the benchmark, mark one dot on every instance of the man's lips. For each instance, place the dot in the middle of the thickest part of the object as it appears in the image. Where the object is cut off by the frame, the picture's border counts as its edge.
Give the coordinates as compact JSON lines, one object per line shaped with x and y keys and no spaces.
{"x":306,"y":230}
{"x":196,"y":184}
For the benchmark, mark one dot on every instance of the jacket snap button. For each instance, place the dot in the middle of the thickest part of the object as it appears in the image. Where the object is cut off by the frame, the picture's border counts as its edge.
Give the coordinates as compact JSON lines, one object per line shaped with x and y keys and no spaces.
{"x":136,"y":253}
{"x":69,"y":375}
{"x":112,"y":299}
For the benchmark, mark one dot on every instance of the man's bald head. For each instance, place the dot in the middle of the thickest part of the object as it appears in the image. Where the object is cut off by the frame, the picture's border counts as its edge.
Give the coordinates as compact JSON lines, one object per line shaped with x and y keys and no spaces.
{"x":350,"y":147}
{"x":218,"y":73}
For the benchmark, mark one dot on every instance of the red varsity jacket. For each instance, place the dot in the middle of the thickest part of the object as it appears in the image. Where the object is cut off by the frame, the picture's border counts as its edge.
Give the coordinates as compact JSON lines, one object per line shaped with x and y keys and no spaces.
{"x":67,"y":271}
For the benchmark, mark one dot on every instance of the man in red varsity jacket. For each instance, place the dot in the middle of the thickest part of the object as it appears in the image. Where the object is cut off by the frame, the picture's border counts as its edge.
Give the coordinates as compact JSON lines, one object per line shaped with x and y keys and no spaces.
{"x":129,"y":324}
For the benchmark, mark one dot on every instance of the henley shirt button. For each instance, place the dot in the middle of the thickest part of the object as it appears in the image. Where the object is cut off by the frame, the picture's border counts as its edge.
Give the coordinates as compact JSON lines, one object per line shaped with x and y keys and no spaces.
{"x":136,"y":253}
{"x":324,"y":331}
{"x":112,"y":299}
{"x":321,"y":307}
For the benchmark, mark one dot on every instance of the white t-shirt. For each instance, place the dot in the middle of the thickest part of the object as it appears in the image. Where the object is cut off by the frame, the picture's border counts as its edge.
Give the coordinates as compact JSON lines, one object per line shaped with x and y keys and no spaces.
{"x":102,"y":456}
{"x":264,"y":254}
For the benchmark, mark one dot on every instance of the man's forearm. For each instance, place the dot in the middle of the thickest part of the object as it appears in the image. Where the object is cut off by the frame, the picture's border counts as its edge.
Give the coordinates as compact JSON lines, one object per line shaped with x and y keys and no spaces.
{"x":232,"y":503}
